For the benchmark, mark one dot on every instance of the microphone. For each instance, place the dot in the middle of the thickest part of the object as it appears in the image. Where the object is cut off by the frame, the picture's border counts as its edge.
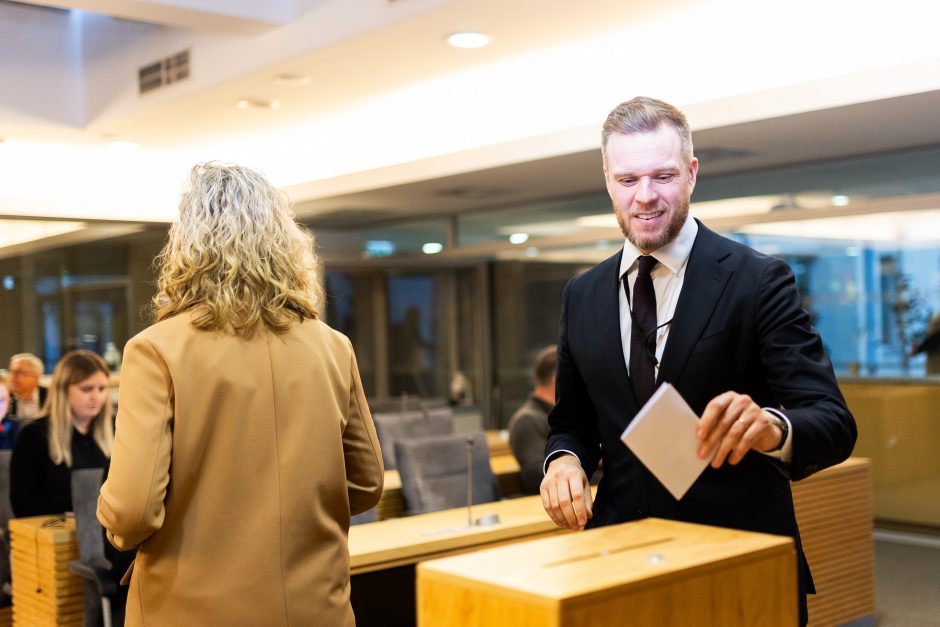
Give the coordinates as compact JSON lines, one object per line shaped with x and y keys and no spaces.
{"x":469,"y":481}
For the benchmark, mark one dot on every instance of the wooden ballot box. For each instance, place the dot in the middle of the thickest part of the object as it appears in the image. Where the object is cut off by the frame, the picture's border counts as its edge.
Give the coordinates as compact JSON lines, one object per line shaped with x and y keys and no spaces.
{"x":44,"y":591}
{"x":648,"y":572}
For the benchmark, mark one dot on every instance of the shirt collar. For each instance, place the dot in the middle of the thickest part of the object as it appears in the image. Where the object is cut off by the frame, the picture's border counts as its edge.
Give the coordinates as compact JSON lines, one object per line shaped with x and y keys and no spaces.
{"x":673,"y":255}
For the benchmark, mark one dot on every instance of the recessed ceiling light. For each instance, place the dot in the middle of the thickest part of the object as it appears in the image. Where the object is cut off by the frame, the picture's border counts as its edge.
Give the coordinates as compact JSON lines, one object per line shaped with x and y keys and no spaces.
{"x":432,"y":248}
{"x":468,"y":40}
{"x":518,"y":238}
{"x":840,"y":200}
{"x":257,"y":103}
{"x":293,"y":80}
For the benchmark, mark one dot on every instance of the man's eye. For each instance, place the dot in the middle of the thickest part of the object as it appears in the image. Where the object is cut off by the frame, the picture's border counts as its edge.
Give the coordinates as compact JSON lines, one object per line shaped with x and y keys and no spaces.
{"x":664,"y":178}
{"x":630,"y":181}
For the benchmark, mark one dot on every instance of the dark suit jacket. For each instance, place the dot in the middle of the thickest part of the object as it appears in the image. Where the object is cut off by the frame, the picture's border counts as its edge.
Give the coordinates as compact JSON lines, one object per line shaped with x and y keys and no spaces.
{"x":43,"y":391}
{"x":738,"y":325}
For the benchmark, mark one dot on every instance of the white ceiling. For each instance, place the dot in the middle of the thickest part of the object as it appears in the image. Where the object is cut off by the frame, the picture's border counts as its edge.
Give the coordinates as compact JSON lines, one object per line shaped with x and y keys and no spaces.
{"x":394,"y":121}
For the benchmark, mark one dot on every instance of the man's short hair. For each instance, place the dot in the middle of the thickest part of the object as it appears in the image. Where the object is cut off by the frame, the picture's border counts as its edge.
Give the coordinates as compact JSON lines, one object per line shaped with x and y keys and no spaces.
{"x":544,"y":368}
{"x":645,"y":115}
{"x":34,"y":362}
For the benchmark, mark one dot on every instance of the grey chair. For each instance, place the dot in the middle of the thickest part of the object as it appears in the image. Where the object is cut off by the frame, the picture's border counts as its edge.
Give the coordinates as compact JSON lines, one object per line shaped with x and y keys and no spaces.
{"x":368,"y":516}
{"x":434,"y":472}
{"x":394,"y":426}
{"x":92,"y":565}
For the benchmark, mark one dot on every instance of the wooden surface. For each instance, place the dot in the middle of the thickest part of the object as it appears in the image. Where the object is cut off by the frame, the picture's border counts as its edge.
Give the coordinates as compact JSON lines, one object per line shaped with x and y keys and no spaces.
{"x":498,"y":442}
{"x":505,"y":468}
{"x":44,"y":591}
{"x":834,"y":511}
{"x":648,"y":572}
{"x":399,"y":541}
{"x":898,"y":430}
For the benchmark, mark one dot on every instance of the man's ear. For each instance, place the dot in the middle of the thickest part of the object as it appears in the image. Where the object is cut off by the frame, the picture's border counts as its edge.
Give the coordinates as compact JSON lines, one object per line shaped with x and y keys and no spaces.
{"x":693,"y":173}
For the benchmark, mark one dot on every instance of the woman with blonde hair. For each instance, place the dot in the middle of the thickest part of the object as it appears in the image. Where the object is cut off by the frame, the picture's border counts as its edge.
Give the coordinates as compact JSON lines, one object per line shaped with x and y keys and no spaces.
{"x":245,"y":442}
{"x":74,"y":430}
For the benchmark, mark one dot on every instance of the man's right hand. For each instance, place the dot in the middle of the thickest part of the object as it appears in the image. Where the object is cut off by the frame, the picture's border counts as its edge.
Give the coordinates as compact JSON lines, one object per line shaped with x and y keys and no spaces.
{"x":566,"y":493}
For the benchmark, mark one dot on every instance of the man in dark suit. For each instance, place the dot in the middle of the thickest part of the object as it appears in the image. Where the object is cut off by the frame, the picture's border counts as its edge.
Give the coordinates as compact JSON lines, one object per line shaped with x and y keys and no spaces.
{"x":720,"y":322}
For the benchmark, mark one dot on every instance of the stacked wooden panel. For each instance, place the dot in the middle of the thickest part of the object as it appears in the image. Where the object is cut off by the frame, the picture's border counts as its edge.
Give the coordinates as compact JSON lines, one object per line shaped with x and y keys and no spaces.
{"x":834,"y":511}
{"x":44,"y":591}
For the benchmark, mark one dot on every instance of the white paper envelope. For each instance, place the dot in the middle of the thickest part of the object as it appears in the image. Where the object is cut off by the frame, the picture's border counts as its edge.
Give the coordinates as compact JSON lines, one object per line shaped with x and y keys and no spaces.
{"x":662,"y":436}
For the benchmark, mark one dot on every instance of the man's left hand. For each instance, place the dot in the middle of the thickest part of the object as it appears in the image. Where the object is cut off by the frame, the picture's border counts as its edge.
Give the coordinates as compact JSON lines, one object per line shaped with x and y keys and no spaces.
{"x":735,"y":424}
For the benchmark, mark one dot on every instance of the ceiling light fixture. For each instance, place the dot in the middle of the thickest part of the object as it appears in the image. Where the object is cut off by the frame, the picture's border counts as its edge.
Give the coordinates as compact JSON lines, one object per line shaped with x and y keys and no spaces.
{"x":518,"y":238}
{"x":432,"y":248}
{"x":256,"y":103}
{"x":840,"y":200}
{"x":468,"y":40}
{"x":293,"y":80}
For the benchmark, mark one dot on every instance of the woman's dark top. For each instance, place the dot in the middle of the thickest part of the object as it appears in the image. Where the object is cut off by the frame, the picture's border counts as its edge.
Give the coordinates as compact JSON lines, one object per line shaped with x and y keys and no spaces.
{"x":37,"y":485}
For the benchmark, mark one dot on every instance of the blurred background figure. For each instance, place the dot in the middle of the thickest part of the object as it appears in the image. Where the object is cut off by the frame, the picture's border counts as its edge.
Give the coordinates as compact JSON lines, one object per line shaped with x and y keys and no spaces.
{"x":8,"y":426}
{"x":528,"y":427}
{"x":28,"y":396}
{"x":931,"y":345}
{"x":252,"y":409}
{"x":76,"y":430}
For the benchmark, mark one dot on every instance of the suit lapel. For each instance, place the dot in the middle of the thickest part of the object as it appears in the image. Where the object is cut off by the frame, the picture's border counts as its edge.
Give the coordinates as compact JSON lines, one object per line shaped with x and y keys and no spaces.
{"x":705,"y":281}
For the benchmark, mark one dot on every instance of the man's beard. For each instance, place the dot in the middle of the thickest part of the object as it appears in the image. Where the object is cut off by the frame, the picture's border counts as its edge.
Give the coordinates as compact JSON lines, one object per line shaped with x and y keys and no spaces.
{"x":655,"y":243}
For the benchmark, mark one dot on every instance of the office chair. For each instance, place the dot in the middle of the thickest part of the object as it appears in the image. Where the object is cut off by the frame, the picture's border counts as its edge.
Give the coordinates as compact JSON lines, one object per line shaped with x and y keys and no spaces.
{"x":434,"y":472}
{"x":395,"y":426}
{"x":92,"y":565}
{"x":368,"y":516}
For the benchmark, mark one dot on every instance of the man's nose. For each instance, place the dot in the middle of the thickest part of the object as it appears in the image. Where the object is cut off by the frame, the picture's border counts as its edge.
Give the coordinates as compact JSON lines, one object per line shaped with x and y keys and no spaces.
{"x":645,"y":192}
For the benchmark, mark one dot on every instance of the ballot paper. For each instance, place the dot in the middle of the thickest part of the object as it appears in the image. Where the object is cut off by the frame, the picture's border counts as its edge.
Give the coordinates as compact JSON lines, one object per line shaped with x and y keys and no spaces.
{"x":662,"y":436}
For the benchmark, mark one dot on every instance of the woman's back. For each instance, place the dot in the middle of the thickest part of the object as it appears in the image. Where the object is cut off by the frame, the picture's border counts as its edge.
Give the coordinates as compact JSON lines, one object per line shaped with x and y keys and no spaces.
{"x":260,"y":447}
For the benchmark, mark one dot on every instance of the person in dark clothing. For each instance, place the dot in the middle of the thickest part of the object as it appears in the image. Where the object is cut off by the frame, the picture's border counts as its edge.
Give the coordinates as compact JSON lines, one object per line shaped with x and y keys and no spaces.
{"x":528,"y":427}
{"x":8,"y":426}
{"x":76,"y":431}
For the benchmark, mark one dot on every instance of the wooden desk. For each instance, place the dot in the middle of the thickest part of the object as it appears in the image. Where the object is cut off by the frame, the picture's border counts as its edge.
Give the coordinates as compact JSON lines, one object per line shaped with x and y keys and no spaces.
{"x":498,"y":442}
{"x":399,"y":541}
{"x":834,"y":510}
{"x":648,"y":572}
{"x":383,"y":554}
{"x":44,"y":591}
{"x":505,"y":468}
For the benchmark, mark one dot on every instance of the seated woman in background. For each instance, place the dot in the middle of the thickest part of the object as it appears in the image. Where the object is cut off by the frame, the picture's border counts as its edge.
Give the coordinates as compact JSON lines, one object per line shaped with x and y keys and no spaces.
{"x":74,"y":430}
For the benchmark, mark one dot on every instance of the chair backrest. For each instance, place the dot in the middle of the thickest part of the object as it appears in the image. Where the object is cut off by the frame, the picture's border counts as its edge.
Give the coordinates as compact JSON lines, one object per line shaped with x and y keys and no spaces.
{"x":392,"y":427}
{"x":434,"y":472}
{"x":86,"y":484}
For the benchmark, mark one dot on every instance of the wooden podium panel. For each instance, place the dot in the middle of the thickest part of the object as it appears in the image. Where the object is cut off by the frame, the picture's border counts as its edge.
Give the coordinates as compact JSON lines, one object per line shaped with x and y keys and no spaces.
{"x":44,"y":591}
{"x":647,"y":572}
{"x":834,"y":510}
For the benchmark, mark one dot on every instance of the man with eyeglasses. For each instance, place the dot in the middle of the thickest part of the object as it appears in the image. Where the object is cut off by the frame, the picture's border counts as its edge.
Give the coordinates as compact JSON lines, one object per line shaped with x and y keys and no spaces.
{"x":722,"y":323}
{"x":27,"y":396}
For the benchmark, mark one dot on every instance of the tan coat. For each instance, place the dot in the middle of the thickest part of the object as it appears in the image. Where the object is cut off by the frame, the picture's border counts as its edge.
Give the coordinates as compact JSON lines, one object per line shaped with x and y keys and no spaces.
{"x":236,"y":465}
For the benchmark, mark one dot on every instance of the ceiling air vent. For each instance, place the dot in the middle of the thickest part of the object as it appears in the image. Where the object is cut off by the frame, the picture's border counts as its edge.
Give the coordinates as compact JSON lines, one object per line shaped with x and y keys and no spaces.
{"x":166,"y":71}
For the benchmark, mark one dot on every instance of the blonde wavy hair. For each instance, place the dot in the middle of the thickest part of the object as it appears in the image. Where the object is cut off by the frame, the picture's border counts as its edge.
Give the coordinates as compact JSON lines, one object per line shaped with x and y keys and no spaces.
{"x":73,"y":368}
{"x":236,"y":256}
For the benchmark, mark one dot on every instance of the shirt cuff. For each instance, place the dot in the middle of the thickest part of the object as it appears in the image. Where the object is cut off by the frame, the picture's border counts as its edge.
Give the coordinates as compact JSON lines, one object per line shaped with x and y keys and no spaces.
{"x":555,"y":454}
{"x":785,"y":453}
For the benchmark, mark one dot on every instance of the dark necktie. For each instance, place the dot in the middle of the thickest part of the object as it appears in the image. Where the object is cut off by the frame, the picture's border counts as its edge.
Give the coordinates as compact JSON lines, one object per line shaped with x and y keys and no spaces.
{"x":643,"y":332}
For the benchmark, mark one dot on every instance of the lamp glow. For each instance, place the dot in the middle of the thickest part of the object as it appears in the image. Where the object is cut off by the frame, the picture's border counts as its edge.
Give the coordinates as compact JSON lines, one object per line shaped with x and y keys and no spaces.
{"x":518,"y":238}
{"x":432,"y":248}
{"x":468,"y":40}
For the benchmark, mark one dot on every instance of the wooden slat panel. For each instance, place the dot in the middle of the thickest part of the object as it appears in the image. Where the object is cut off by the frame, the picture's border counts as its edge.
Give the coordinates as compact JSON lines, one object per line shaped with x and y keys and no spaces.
{"x":835,"y":511}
